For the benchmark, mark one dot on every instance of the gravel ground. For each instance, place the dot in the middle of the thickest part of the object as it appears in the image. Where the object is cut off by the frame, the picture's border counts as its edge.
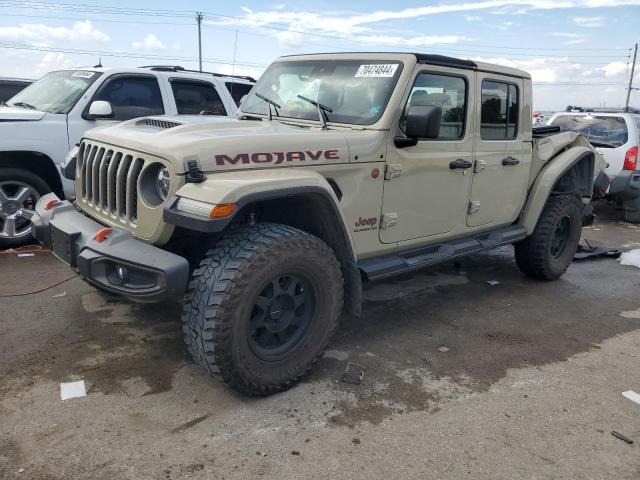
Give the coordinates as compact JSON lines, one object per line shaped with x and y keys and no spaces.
{"x":464,"y":379}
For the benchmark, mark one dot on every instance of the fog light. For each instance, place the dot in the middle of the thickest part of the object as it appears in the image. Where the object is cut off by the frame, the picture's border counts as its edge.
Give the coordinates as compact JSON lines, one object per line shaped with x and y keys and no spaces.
{"x":121,"y":276}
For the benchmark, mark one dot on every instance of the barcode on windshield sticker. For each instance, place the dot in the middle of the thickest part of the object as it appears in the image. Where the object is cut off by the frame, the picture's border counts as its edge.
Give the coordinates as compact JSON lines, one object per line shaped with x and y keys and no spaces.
{"x":83,"y":74}
{"x":377,"y":71}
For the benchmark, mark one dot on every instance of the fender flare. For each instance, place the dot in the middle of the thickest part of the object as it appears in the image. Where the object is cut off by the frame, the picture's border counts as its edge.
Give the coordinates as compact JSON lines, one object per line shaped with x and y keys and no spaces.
{"x":548,"y":178}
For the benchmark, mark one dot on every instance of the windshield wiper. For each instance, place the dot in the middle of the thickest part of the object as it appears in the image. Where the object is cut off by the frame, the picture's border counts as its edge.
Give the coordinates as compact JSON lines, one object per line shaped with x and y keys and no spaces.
{"x":322,"y":110}
{"x":269,"y":102}
{"x":23,"y":105}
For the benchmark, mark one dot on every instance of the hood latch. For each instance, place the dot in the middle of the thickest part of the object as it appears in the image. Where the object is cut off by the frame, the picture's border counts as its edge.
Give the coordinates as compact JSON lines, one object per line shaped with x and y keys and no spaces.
{"x":194,"y":174}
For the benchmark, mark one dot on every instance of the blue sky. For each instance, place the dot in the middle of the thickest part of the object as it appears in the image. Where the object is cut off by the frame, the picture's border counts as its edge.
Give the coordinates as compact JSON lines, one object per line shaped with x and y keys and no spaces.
{"x":576,"y":50}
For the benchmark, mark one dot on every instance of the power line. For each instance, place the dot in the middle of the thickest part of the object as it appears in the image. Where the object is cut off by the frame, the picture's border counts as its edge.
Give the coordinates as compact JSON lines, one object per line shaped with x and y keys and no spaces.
{"x":147,"y":56}
{"x":96,"y":20}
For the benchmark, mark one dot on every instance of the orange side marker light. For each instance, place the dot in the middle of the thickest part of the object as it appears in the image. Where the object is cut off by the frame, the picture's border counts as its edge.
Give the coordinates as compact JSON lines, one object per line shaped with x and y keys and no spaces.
{"x":223,"y":210}
{"x":102,"y":234}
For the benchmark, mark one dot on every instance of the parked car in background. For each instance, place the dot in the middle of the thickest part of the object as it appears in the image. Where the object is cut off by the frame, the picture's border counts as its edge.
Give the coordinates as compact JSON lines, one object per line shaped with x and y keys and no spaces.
{"x":40,"y":124}
{"x":10,"y":86}
{"x":616,"y":135}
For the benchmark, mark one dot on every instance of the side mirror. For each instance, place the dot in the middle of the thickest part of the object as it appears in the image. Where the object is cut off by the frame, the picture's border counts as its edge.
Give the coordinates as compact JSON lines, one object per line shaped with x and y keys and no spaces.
{"x":100,"y":109}
{"x":423,"y":121}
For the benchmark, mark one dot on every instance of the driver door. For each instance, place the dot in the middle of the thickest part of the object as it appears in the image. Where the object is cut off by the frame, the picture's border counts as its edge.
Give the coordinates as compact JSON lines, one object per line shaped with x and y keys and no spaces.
{"x":427,"y":185}
{"x":130,"y":96}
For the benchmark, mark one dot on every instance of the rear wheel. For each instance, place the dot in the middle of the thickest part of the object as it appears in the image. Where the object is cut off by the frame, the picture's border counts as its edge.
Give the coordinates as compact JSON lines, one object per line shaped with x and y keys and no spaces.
{"x":19,"y":192}
{"x":549,"y":250}
{"x":262,"y":307}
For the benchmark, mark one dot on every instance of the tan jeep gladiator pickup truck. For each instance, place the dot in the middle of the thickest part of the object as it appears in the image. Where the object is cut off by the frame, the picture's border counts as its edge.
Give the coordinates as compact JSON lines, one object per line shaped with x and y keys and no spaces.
{"x":341,"y":169}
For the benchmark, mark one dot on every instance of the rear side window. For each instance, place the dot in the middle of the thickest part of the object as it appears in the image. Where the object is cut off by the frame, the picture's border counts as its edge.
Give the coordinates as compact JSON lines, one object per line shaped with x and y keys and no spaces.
{"x":132,"y":97}
{"x":238,"y":90}
{"x":446,"y":92}
{"x":197,"y":98}
{"x":602,"y":130}
{"x":499,"y":111}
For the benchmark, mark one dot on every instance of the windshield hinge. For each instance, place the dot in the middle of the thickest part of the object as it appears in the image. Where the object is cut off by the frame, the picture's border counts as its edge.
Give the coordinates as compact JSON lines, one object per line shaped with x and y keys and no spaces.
{"x":194,"y":174}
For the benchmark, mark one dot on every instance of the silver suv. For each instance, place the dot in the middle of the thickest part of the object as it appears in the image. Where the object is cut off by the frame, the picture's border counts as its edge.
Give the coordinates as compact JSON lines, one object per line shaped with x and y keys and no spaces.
{"x":616,"y":135}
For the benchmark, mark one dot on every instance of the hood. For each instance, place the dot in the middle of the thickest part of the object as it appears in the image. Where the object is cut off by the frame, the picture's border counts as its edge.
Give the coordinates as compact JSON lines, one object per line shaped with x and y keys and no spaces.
{"x":223,"y":144}
{"x":19,"y":114}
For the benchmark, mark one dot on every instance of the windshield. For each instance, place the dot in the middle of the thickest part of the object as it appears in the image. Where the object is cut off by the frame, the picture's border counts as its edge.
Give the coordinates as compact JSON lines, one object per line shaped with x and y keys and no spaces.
{"x":56,"y":92}
{"x":356,"y":91}
{"x":605,"y":131}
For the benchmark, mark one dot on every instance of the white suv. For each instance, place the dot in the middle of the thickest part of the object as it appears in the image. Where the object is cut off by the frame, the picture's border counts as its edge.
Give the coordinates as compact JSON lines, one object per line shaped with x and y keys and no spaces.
{"x":39,"y":125}
{"x":616,"y":135}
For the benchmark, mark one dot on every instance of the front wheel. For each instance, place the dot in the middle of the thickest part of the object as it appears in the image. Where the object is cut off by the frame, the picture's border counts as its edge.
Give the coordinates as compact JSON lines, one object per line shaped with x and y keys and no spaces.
{"x":549,"y":250}
{"x":19,"y":192}
{"x":262,"y":307}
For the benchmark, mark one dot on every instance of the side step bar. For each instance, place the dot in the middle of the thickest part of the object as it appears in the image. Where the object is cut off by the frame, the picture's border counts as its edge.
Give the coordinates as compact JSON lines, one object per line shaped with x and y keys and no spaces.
{"x":390,"y":265}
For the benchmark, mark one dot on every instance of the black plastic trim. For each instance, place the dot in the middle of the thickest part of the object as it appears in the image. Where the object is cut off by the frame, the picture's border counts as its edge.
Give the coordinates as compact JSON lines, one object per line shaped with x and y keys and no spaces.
{"x":379,"y":268}
{"x":71,"y":236}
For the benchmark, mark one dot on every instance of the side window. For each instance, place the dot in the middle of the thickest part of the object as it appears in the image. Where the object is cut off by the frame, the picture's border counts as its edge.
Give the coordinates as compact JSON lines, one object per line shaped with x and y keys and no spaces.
{"x":132,"y":97}
{"x":499,"y":114}
{"x":446,"y":92}
{"x":195,"y":98}
{"x":238,"y":90}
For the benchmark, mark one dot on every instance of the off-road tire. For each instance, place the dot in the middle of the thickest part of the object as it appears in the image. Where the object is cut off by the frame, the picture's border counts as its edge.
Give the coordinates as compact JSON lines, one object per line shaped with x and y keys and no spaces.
{"x":632,"y":215}
{"x":219,"y":303}
{"x":534,"y":254}
{"x":31,"y":180}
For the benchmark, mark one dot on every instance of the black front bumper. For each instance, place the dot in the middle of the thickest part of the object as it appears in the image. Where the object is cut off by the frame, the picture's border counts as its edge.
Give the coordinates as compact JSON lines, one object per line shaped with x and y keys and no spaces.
{"x":118,"y":264}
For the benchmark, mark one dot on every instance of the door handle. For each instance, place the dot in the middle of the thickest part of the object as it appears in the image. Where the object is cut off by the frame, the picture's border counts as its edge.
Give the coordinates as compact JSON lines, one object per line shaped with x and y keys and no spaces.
{"x":460,"y":164}
{"x":510,"y":161}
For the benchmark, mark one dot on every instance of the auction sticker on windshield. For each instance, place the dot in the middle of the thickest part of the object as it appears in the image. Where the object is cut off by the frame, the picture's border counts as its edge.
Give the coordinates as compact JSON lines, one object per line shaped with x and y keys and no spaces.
{"x":83,"y":74}
{"x":377,"y":71}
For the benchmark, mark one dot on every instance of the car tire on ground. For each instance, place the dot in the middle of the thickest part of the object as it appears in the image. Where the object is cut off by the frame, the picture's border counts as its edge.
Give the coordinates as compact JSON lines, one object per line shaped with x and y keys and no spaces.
{"x":19,"y":190}
{"x":262,"y":307}
{"x":549,"y":250}
{"x":632,"y":215}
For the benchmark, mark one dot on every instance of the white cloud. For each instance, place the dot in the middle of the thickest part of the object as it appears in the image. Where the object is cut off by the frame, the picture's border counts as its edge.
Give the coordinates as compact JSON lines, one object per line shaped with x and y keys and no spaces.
{"x":53,"y":61}
{"x":82,"y":31}
{"x":151,"y":42}
{"x":246,"y":9}
{"x":589,"y":22}
{"x":572,"y":38}
{"x":614,"y":69}
{"x":292,"y":38}
{"x":473,"y":18}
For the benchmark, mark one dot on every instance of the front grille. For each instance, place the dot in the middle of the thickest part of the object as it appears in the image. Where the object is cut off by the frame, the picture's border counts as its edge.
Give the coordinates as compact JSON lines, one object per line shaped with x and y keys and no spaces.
{"x":108,"y":181}
{"x":152,"y":122}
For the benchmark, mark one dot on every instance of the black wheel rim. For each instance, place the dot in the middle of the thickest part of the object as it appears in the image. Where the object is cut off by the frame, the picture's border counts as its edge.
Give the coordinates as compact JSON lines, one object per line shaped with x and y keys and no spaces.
{"x":561,"y":237}
{"x":280,"y":317}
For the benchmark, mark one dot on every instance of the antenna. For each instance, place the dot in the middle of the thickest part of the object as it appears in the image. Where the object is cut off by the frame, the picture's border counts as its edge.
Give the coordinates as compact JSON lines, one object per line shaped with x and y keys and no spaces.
{"x":99,"y":63}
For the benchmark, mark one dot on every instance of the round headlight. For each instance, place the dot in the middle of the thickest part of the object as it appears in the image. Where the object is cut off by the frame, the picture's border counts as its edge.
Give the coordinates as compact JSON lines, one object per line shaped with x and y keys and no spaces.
{"x":155,"y":184}
{"x":163,"y":183}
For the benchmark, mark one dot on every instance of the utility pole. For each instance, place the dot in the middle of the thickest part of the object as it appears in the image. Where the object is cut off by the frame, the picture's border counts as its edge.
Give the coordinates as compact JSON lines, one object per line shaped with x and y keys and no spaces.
{"x":633,"y":67}
{"x":199,"y":20}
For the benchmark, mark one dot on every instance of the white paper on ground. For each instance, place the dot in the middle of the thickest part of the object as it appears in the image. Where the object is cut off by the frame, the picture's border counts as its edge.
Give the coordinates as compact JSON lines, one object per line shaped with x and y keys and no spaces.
{"x":633,"y":396}
{"x":26,"y":254}
{"x":60,"y":295}
{"x":493,"y":283}
{"x":632,"y":257}
{"x":72,"y":390}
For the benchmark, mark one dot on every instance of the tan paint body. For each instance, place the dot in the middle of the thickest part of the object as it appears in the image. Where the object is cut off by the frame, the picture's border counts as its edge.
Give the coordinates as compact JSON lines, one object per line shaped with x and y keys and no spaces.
{"x":430,"y":200}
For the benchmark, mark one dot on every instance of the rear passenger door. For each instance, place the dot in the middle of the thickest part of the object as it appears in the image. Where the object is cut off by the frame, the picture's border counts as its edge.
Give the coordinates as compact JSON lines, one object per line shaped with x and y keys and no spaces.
{"x":502,"y":156}
{"x":194,"y":97}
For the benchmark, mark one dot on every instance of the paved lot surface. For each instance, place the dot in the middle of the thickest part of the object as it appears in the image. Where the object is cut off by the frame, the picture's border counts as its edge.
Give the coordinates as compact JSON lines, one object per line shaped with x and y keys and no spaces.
{"x":519,"y":380}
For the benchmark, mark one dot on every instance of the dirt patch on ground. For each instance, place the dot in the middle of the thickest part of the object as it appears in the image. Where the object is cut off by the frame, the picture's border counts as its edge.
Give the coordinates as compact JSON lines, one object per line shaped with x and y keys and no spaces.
{"x":116,"y":342}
